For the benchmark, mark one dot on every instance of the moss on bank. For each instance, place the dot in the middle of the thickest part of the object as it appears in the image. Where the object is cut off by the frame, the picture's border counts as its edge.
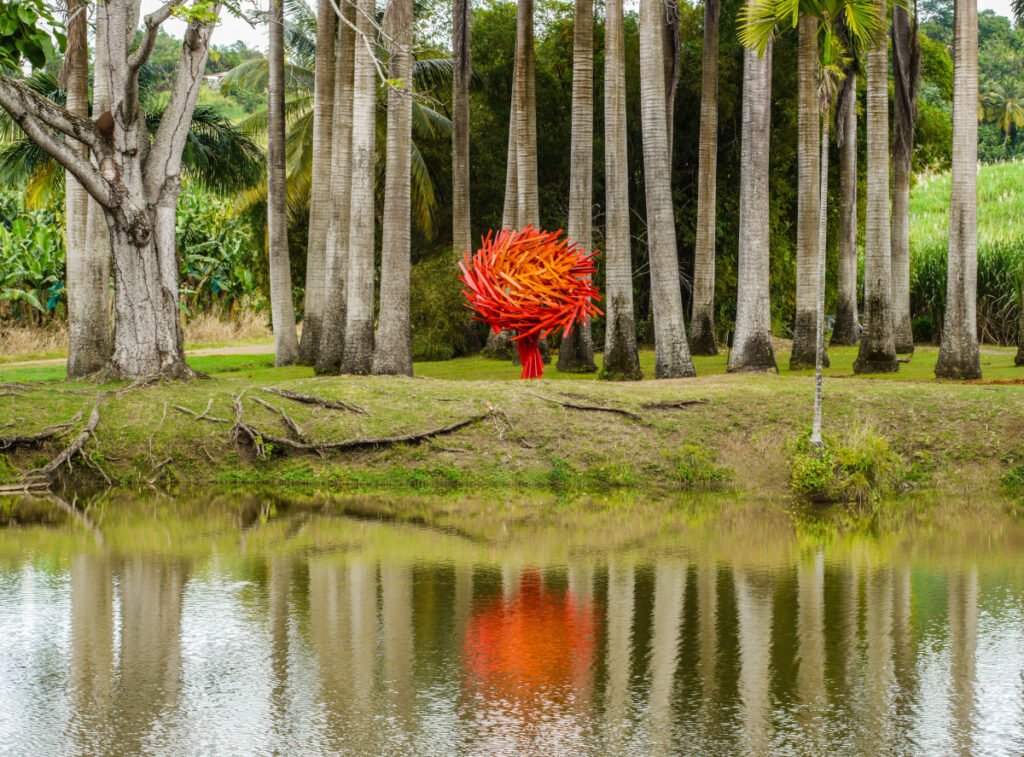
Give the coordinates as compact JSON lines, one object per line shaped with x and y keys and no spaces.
{"x":740,"y":437}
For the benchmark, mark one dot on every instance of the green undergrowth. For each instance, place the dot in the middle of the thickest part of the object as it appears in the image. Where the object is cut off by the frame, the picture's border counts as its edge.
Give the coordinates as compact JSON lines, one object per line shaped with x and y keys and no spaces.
{"x":859,"y":466}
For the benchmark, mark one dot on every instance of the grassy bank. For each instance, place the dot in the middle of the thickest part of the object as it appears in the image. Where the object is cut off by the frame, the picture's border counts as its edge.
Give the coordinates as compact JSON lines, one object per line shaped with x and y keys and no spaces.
{"x":740,"y":435}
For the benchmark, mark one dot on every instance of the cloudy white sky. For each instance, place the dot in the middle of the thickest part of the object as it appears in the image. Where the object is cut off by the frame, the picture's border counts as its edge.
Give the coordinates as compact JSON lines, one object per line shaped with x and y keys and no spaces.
{"x":231,"y":28}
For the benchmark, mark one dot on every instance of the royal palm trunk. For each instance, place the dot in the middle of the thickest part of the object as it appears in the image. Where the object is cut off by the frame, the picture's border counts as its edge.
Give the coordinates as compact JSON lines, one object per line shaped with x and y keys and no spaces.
{"x":877,"y":346}
{"x":393,"y":354}
{"x":703,"y":340}
{"x":671,"y":351}
{"x":752,"y":349}
{"x":462,"y":236}
{"x":847,"y":328}
{"x":576,"y":354}
{"x":320,"y":187}
{"x":958,"y":353}
{"x":621,"y":362}
{"x":808,"y":198}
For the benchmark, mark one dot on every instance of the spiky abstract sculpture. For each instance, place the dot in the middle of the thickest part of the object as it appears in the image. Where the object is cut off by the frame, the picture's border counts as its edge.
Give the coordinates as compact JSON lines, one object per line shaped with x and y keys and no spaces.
{"x":531,"y":282}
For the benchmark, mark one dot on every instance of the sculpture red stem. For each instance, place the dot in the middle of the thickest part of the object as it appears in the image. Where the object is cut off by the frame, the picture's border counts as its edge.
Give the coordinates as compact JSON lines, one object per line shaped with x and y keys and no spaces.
{"x":530,"y":357}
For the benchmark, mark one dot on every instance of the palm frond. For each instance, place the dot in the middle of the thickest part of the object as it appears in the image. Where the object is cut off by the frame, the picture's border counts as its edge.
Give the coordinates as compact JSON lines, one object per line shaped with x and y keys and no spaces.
{"x":428,"y":123}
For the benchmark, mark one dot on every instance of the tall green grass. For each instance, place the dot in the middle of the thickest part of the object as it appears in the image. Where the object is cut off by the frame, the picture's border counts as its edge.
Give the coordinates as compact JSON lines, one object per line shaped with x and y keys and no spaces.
{"x":1000,"y":252}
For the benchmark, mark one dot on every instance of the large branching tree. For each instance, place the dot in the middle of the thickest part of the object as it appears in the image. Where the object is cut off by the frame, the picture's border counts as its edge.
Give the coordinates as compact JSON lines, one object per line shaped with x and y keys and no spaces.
{"x":133,"y":177}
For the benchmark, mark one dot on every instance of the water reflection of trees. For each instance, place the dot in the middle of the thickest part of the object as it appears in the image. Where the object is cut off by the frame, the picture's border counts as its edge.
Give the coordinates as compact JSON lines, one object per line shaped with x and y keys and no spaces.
{"x":372,"y":651}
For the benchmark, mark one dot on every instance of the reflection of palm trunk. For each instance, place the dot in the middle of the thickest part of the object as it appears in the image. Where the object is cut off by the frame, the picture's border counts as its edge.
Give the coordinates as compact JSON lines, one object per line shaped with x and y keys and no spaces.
{"x":92,"y":649}
{"x":906,"y":694}
{"x":581,"y":590}
{"x":363,"y":618}
{"x":754,"y":610}
{"x":330,"y":638}
{"x":620,"y":644}
{"x":279,"y":590}
{"x":850,"y":615}
{"x":962,"y":599}
{"x":150,"y":659}
{"x":669,"y":595}
{"x":707,"y":633}
{"x":879,"y":655}
{"x":396,"y":605}
{"x":811,"y":634}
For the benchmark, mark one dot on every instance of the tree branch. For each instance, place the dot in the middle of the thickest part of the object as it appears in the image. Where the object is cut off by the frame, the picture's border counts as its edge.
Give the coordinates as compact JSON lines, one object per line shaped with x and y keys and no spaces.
{"x":17,"y":99}
{"x":152,"y":23}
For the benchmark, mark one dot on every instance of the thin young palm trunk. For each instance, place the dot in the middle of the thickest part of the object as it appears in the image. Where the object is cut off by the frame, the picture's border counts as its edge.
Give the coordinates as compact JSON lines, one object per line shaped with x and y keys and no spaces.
{"x":672,"y":55}
{"x":819,"y":326}
{"x":847,"y":328}
{"x":752,"y":349}
{"x":357,"y":357}
{"x":808,"y":198}
{"x":286,"y":345}
{"x":320,"y":189}
{"x":671,"y":351}
{"x":393,"y":355}
{"x":958,"y":354}
{"x":576,"y":354}
{"x":462,"y":235}
{"x":528,"y":199}
{"x":877,"y":347}
{"x":88,"y":265}
{"x":703,"y":340}
{"x":621,"y":362}
{"x":332,"y":338}
{"x":906,"y":65}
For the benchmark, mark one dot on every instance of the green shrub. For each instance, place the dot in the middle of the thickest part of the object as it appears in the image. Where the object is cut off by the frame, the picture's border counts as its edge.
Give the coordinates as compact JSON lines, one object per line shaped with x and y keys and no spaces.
{"x":1013,"y":481}
{"x":438,"y":320}
{"x":695,"y":468}
{"x":859,"y":468}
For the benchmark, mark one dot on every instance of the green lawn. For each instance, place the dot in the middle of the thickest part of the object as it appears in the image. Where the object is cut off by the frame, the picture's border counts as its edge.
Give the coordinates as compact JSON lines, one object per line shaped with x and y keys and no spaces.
{"x":997,"y":365}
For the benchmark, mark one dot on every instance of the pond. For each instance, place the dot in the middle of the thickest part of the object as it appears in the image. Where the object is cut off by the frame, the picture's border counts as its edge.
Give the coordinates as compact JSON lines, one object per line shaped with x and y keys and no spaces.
{"x":220,"y":627}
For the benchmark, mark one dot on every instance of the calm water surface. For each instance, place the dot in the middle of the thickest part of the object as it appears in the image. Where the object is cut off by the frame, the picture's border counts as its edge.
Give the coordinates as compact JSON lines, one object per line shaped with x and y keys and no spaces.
{"x":226,"y":633}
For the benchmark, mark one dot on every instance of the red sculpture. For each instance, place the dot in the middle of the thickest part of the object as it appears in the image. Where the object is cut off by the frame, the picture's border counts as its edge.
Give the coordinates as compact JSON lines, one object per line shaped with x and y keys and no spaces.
{"x":531,"y":282}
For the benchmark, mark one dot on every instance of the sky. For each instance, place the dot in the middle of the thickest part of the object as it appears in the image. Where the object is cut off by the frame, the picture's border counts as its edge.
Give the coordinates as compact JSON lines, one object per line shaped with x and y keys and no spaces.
{"x":232,"y":29}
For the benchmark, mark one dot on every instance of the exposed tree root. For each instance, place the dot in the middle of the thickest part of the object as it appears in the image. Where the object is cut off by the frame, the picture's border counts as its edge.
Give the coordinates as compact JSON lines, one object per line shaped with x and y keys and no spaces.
{"x":308,"y":399}
{"x":203,"y":416}
{"x":594,"y":408}
{"x":247,"y":435}
{"x":48,"y":473}
{"x":36,"y":439}
{"x":291,"y":425}
{"x":672,"y":404}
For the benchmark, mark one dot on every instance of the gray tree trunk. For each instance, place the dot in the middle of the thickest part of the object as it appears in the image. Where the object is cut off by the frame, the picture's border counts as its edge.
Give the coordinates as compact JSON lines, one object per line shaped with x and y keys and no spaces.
{"x":877,"y":347}
{"x":672,"y":56}
{"x":393,"y":355}
{"x":671,"y":351}
{"x":528,"y":198}
{"x":576,"y":354}
{"x":847,"y":327}
{"x":819,"y":309}
{"x":358,"y":354}
{"x":808,"y":198}
{"x":320,"y":190}
{"x":462,"y":235}
{"x":620,"y":362}
{"x":703,"y":340}
{"x":752,"y":349}
{"x":282,"y":308}
{"x":87,"y":265}
{"x":958,"y":353}
{"x":906,"y":65}
{"x":332,"y":338}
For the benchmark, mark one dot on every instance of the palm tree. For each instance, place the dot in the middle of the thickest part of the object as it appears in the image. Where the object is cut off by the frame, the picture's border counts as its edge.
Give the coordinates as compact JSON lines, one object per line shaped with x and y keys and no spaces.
{"x":528,"y":199}
{"x":462,"y":235}
{"x":847,"y":328}
{"x":87,"y":265}
{"x":332,"y":338}
{"x":752,"y":349}
{"x":671,"y":351}
{"x":808,"y":197}
{"x":576,"y":354}
{"x":358,"y":353}
{"x":286,"y":345}
{"x":621,"y":361}
{"x":877,"y":346}
{"x":958,"y":353}
{"x":1003,"y":105}
{"x":906,"y":69}
{"x":320,"y":185}
{"x":702,"y":318}
{"x":393,"y":354}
